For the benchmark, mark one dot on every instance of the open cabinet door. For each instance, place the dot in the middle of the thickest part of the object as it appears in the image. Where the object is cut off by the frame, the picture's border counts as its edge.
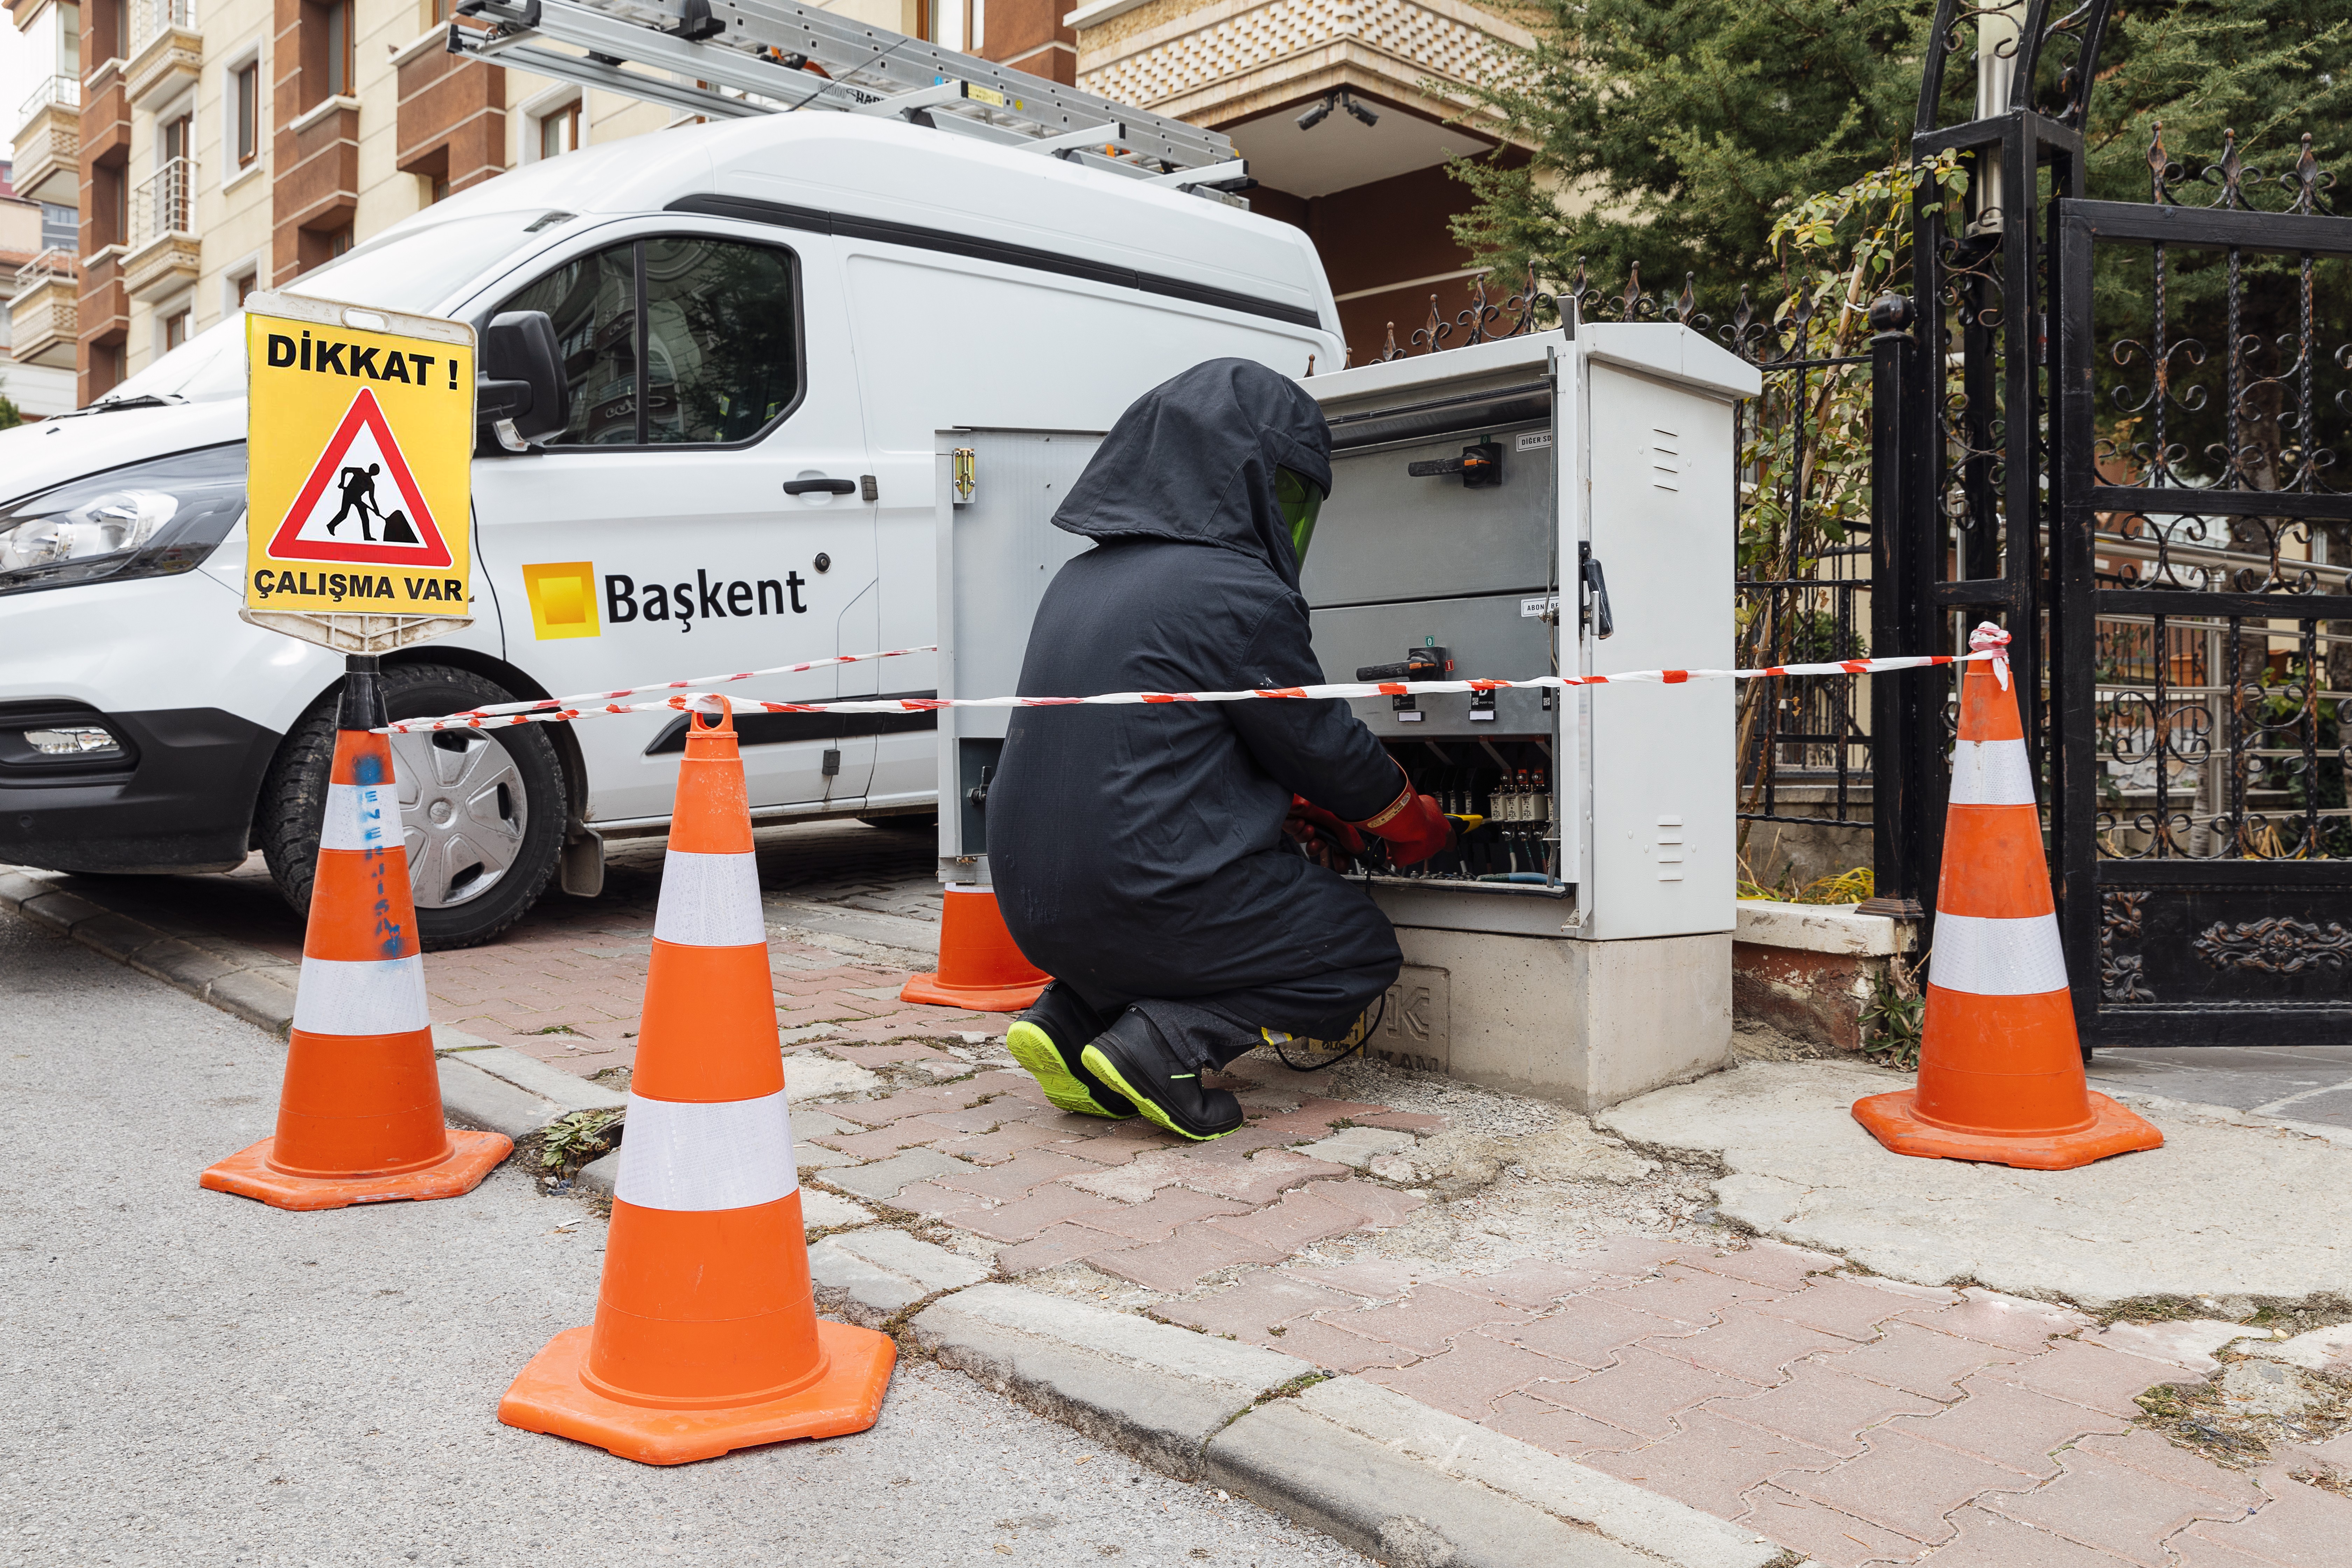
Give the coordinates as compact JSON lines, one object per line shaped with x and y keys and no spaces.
{"x":998,"y":548}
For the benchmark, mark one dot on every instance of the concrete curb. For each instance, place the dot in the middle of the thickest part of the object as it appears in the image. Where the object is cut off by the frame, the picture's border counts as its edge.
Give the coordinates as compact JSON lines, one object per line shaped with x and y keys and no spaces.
{"x":482,"y":1085}
{"x":503,"y":1090}
{"x":1372,"y":1467}
{"x":253,"y":986}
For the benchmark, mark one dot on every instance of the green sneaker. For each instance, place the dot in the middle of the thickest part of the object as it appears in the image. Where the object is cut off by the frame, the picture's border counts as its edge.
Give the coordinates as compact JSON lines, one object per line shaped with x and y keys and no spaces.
{"x":1131,"y":1058}
{"x":1068,"y":1084}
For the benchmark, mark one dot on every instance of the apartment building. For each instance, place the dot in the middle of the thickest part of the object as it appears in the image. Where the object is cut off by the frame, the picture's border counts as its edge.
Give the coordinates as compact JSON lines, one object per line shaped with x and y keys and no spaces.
{"x":1346,"y":110}
{"x":27,"y":229}
{"x":212,"y":147}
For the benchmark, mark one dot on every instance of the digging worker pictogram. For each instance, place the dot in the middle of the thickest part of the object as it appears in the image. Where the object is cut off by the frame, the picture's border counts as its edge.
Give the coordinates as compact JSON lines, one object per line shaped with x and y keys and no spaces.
{"x":358,"y":488}
{"x":1140,"y":853}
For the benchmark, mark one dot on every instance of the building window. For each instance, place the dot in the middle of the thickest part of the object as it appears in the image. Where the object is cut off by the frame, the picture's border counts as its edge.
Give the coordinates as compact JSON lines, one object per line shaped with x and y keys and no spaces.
{"x":559,"y":130}
{"x":175,"y":330}
{"x":440,"y":187}
{"x":248,"y":91}
{"x":338,"y":49}
{"x":339,"y":240}
{"x":179,"y":136}
{"x":60,"y":227}
{"x":243,"y":286}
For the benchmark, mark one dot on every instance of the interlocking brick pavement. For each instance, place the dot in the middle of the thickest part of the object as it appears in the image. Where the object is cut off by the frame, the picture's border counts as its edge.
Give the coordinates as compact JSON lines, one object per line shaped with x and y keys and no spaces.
{"x":1849,"y":1418}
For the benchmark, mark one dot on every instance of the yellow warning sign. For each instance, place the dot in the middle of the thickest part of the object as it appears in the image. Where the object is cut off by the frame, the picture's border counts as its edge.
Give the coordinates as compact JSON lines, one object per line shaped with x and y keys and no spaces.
{"x":359,"y":457}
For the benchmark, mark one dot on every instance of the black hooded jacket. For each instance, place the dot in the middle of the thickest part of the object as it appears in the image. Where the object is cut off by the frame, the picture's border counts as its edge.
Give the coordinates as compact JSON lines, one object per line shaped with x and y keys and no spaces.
{"x":1137,"y":851}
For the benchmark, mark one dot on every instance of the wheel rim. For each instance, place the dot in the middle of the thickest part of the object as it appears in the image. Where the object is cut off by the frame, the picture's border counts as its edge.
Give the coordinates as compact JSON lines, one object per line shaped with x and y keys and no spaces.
{"x":463,"y":810}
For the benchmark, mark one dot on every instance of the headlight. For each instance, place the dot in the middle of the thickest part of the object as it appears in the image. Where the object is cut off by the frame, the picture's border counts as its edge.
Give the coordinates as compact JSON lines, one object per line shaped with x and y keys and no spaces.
{"x":151,"y":520}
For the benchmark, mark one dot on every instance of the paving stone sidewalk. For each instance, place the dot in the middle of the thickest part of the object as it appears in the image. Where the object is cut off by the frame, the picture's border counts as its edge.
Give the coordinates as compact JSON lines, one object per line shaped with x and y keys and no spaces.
{"x":1493,"y":1259}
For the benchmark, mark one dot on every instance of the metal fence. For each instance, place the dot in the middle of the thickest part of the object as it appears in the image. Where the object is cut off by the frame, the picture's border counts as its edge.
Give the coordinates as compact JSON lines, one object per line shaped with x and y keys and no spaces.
{"x":1803,"y":596}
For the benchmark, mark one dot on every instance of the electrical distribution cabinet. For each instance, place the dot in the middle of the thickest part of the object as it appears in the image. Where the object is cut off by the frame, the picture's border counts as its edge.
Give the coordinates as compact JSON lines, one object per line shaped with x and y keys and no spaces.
{"x":1553,"y":504}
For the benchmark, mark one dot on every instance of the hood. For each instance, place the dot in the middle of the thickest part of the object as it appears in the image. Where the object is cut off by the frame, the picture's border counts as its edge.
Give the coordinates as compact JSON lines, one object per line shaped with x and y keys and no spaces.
{"x":1194,"y":460}
{"x":35,"y":456}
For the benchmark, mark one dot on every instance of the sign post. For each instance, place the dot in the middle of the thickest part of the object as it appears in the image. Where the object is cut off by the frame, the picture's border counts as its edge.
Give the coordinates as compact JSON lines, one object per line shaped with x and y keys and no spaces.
{"x":360,"y":424}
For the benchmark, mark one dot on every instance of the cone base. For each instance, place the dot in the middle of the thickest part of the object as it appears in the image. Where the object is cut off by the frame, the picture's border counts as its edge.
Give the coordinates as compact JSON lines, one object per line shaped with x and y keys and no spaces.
{"x":550,"y":1398}
{"x":1895,"y":1122}
{"x":472,"y":1157}
{"x":975,"y":998}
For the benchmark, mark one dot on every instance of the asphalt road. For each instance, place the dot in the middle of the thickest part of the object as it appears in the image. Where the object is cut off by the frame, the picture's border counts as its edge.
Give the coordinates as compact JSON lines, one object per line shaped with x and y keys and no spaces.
{"x":190,"y":1377}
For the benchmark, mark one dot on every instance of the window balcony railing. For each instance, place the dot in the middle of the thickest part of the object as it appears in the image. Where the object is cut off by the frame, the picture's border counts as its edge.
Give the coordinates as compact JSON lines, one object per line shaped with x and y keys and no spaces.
{"x":150,"y":17}
{"x":165,"y":203}
{"x":63,"y":90}
{"x":55,"y":265}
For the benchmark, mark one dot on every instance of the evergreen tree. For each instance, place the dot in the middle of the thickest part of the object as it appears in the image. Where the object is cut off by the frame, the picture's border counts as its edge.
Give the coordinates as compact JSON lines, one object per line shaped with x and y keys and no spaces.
{"x":1682,"y":129}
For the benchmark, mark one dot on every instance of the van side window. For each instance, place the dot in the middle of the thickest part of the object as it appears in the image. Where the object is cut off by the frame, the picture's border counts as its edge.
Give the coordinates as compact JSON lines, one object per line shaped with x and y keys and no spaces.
{"x":593,"y":302}
{"x":712,"y":357}
{"x":722,"y":346}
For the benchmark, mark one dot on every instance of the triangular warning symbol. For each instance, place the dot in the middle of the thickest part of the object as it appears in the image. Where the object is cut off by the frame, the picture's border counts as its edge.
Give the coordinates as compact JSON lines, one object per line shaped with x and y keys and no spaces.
{"x":361,"y":504}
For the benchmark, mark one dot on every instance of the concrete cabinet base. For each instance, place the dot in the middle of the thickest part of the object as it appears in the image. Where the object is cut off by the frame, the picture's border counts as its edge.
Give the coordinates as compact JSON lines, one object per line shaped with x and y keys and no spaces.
{"x":1585,"y":1024}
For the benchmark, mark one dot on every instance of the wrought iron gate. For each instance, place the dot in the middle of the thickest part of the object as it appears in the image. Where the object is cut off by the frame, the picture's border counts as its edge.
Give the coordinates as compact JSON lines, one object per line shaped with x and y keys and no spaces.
{"x":2115,"y":428}
{"x":2208,"y":856}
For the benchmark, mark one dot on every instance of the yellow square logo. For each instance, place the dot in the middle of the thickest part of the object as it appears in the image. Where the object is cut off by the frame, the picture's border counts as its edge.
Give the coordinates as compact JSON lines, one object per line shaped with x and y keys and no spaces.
{"x":563,"y":599}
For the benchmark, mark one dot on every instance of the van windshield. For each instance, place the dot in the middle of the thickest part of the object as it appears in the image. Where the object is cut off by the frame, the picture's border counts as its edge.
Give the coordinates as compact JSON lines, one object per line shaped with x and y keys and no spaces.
{"x":416,"y":272}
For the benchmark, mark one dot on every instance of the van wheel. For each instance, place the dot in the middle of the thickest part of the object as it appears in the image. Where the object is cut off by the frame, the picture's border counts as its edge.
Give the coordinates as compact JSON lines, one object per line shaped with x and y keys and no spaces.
{"x":482,"y":812}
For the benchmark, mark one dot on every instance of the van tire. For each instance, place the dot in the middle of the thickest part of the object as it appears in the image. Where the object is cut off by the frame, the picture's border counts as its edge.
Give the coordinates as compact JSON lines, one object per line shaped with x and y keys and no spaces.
{"x":294,"y":792}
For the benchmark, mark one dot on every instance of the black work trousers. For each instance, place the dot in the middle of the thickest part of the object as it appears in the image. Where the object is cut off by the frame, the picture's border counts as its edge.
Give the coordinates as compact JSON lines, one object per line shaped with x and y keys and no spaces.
{"x":1308,"y":966}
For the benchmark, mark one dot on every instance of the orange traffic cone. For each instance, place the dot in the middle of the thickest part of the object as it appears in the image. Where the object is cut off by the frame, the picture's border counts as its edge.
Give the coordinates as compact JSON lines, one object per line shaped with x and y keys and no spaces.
{"x":2001,"y":1072}
{"x":979,"y":966}
{"x":707,"y":1337}
{"x":359,"y":1115}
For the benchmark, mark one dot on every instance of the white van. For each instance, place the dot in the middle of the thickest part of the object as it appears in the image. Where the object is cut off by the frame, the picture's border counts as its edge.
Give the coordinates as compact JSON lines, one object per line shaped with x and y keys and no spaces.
{"x":762,"y":324}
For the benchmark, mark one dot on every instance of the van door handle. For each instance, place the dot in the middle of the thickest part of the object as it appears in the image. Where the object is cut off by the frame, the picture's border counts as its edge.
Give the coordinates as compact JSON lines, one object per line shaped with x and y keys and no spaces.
{"x":831,"y":487}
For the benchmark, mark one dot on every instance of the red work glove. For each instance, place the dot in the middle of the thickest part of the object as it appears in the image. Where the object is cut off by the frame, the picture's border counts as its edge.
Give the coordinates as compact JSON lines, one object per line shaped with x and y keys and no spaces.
{"x":1317,"y":830}
{"x":1413,"y":825}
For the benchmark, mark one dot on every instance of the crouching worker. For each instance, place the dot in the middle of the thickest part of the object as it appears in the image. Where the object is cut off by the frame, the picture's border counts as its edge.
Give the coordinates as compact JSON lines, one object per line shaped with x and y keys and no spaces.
{"x":1140,"y":852}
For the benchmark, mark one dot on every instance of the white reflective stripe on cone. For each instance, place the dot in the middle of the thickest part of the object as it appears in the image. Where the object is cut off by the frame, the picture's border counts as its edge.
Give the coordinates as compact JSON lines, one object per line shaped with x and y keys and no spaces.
{"x":1991,"y":773}
{"x":382,"y":997}
{"x":1997,"y":957}
{"x":679,"y":1155}
{"x":710,"y":900}
{"x":361,"y":816}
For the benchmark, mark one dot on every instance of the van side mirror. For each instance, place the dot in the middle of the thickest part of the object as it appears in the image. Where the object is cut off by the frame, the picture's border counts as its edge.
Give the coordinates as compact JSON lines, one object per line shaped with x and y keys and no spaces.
{"x":522,"y":391}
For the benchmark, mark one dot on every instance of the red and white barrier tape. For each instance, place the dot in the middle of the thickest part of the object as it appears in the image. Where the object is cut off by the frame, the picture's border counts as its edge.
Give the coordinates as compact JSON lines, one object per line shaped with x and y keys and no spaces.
{"x":711,"y":701}
{"x":548,"y":705}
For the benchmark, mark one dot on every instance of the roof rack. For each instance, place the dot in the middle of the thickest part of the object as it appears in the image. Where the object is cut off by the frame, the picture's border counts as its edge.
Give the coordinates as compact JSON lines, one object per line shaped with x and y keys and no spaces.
{"x":734,"y":59}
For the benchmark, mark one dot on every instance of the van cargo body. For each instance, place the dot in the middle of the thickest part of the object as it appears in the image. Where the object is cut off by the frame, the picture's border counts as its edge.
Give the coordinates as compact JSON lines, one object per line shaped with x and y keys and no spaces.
{"x":763,"y":323}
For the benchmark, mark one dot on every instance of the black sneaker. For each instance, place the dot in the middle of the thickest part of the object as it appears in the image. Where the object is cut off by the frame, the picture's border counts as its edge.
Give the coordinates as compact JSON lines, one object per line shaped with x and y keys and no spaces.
{"x":1131,"y":1058}
{"x":1046,"y":1040}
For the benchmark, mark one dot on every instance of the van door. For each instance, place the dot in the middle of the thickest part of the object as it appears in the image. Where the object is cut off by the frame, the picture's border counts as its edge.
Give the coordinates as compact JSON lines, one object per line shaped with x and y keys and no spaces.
{"x":703,"y":513}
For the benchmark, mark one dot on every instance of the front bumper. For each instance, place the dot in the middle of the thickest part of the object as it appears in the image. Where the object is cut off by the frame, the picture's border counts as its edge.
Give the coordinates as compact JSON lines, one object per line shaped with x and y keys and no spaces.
{"x":180,"y":798}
